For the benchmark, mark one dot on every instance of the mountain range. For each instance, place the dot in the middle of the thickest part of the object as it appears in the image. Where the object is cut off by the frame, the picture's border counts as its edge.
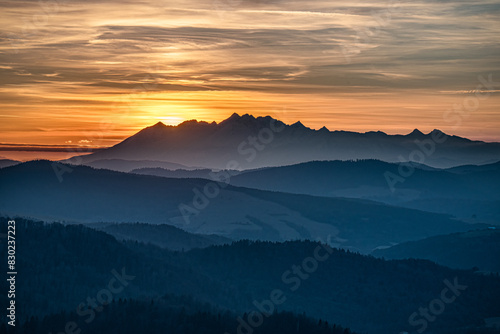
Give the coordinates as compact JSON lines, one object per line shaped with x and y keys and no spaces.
{"x":245,"y":142}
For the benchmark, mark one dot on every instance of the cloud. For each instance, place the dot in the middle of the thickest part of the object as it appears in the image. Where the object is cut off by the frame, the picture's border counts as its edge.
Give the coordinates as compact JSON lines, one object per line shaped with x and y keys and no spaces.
{"x":85,"y":54}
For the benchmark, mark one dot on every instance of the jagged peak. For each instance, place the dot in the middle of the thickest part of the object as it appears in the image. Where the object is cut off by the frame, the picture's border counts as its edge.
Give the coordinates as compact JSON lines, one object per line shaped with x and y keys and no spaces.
{"x":159,"y":125}
{"x":436,"y":131}
{"x":298,"y":124}
{"x":189,"y":122}
{"x":375,"y":133}
{"x":157,"y":128}
{"x":233,"y":117}
{"x":247,"y":116}
{"x":416,"y":132}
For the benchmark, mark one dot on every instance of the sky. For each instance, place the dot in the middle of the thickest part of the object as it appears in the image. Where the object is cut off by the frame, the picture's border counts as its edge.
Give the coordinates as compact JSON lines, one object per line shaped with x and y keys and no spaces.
{"x":91,"y":73}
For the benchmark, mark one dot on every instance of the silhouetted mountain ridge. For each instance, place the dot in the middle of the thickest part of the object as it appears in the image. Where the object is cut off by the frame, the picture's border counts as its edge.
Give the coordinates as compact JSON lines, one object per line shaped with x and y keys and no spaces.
{"x":255,"y":142}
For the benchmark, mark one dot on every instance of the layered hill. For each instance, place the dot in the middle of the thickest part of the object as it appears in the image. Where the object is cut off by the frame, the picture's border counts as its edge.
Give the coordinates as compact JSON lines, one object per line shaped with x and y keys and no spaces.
{"x":122,"y":165}
{"x":162,"y":235}
{"x":471,"y":193}
{"x":479,"y":249}
{"x":8,"y":163}
{"x":53,"y":191}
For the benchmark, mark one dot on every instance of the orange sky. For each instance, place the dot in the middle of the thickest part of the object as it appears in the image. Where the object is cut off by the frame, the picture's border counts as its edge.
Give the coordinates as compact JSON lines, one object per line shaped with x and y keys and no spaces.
{"x":94,"y":73}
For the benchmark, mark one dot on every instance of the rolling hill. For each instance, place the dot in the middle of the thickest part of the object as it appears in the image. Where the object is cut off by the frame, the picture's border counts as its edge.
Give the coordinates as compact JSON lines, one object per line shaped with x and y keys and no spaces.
{"x":86,"y":195}
{"x":7,"y":163}
{"x":480,"y":249}
{"x":203,"y":173}
{"x":122,"y":165}
{"x":470,"y":193}
{"x":162,"y":235}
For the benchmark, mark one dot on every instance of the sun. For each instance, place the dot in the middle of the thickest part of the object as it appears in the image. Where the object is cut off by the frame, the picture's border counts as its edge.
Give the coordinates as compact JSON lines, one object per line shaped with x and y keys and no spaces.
{"x":170,"y":120}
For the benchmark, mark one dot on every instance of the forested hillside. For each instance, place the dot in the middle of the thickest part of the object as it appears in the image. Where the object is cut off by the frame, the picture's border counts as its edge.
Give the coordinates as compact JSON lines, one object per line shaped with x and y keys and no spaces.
{"x":361,"y":292}
{"x":174,"y":315}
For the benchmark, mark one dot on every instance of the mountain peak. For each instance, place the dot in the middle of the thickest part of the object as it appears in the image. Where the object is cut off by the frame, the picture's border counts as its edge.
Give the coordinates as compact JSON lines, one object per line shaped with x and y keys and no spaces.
{"x":298,"y":125}
{"x":189,"y":122}
{"x":246,"y":120}
{"x":159,"y":125}
{"x":153,"y":129}
{"x":233,"y":117}
{"x":436,"y":131}
{"x":247,"y":117}
{"x":416,"y":132}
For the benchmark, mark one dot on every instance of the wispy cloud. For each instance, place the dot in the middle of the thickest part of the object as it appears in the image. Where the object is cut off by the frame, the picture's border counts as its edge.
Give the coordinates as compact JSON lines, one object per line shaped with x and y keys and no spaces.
{"x":82,"y":56}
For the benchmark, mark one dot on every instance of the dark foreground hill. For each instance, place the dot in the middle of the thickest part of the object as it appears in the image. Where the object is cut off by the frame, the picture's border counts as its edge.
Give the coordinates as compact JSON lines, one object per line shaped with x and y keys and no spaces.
{"x":61,"y":267}
{"x":174,"y":315}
